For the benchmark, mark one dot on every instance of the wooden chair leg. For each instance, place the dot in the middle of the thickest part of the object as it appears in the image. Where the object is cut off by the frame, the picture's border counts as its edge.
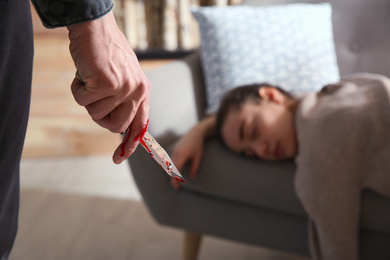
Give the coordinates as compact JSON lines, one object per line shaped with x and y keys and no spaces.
{"x":191,"y":245}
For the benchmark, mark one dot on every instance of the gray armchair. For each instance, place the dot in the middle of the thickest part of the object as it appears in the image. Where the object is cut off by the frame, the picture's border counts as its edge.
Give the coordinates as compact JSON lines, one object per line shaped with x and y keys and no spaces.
{"x":250,"y":200}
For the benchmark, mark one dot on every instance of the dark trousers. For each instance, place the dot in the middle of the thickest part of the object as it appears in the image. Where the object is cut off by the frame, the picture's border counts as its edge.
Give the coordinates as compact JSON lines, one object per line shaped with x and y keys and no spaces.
{"x":16,"y":56}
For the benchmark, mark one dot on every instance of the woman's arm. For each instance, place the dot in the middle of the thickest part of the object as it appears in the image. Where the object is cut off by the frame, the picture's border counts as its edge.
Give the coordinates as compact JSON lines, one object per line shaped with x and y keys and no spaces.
{"x":190,"y":146}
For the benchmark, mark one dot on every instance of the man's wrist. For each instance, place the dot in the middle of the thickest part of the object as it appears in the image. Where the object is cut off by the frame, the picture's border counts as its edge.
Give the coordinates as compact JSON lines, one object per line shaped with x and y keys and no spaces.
{"x":85,"y":28}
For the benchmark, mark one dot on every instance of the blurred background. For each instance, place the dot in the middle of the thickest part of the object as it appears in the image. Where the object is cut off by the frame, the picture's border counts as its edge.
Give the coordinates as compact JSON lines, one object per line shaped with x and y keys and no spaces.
{"x":75,"y":202}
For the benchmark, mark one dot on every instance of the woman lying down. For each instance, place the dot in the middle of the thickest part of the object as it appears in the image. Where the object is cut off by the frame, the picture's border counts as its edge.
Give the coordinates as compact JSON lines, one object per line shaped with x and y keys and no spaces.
{"x":339,"y":136}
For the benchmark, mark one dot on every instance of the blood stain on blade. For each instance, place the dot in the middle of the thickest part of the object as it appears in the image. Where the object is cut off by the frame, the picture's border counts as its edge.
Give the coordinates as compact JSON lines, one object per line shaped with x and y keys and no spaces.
{"x":142,"y":141}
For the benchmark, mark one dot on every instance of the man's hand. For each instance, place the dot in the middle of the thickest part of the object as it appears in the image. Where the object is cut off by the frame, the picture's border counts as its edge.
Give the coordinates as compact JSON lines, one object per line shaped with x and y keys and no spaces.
{"x":116,"y":91}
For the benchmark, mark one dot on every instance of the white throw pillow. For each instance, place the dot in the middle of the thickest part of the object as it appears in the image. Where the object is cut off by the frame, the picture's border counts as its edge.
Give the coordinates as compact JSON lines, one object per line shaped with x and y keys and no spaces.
{"x":287,"y":45}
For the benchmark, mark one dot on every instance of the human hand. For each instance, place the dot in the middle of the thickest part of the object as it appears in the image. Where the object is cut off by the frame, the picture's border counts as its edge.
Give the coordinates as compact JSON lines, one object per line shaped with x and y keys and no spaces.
{"x":116,"y":91}
{"x":189,"y":148}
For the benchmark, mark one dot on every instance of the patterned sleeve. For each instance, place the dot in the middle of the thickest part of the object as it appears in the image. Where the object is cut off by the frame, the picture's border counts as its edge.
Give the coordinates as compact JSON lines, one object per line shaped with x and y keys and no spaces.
{"x":59,"y":13}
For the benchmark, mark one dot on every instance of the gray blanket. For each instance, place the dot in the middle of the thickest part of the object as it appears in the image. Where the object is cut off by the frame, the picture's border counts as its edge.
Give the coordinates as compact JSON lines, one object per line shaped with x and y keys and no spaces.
{"x":344,"y":148}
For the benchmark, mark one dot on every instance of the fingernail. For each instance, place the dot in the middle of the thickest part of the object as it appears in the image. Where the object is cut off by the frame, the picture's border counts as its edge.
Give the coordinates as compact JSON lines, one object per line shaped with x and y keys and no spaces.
{"x":119,"y":160}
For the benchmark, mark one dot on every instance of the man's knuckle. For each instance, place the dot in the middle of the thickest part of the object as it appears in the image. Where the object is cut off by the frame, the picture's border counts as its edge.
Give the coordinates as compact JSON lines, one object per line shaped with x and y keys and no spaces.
{"x":79,"y":100}
{"x":96,"y":117}
{"x":118,"y":127}
{"x":147,"y":85}
{"x":112,"y":84}
{"x":144,"y":86}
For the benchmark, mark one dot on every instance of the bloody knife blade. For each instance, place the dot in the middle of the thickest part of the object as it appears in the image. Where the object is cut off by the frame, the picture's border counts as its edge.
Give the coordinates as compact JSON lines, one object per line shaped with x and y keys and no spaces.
{"x":160,"y":155}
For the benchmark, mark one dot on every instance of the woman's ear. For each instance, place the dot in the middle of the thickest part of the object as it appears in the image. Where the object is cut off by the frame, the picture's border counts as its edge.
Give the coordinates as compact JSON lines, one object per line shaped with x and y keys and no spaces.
{"x":271,"y":94}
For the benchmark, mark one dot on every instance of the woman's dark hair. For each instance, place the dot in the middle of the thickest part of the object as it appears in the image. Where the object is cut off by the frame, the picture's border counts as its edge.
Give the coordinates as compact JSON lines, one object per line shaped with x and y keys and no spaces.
{"x":237,"y":97}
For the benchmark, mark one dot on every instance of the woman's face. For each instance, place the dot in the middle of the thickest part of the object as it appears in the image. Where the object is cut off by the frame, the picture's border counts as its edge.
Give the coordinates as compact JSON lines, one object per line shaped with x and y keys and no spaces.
{"x":265,"y":130}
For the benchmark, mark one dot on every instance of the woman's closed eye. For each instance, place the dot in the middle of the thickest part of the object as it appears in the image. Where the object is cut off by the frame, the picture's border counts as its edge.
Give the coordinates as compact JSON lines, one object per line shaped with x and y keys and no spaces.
{"x":253,"y":134}
{"x":250,"y":132}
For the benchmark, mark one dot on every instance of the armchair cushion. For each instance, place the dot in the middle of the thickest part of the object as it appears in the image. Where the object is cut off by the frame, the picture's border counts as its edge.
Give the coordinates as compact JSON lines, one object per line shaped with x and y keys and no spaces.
{"x":287,"y":45}
{"x":223,"y":174}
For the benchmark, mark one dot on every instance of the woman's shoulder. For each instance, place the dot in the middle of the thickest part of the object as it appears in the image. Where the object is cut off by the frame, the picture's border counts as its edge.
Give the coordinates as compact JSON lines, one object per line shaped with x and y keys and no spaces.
{"x":363,"y":78}
{"x":355,"y":107}
{"x":352,"y":93}
{"x":356,"y":83}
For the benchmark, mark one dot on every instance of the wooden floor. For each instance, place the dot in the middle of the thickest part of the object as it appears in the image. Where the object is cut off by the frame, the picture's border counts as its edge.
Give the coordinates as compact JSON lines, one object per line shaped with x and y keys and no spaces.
{"x":75,"y":203}
{"x":67,"y":226}
{"x":88,"y":208}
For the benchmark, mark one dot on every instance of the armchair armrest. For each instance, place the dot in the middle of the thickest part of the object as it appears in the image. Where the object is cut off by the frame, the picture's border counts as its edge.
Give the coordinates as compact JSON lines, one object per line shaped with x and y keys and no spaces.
{"x":177,"y":98}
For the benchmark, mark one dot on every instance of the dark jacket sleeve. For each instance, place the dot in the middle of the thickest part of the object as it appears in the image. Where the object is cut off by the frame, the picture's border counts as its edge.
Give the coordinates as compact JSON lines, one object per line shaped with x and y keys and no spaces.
{"x":58,"y":13}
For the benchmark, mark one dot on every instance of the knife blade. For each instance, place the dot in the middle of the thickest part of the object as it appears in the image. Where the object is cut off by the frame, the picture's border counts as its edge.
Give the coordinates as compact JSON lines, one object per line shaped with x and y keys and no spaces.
{"x":160,"y":155}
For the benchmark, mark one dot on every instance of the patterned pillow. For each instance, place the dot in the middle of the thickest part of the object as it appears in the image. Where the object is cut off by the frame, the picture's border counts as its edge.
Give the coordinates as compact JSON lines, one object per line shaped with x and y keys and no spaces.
{"x":287,"y":45}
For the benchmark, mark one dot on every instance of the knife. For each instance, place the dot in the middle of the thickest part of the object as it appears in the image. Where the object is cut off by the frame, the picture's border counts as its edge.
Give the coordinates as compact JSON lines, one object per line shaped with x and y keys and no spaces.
{"x":154,"y":149}
{"x":161,"y":156}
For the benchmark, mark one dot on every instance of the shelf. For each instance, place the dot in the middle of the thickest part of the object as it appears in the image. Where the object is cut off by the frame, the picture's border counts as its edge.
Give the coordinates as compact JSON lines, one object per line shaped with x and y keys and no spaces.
{"x":156,"y":54}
